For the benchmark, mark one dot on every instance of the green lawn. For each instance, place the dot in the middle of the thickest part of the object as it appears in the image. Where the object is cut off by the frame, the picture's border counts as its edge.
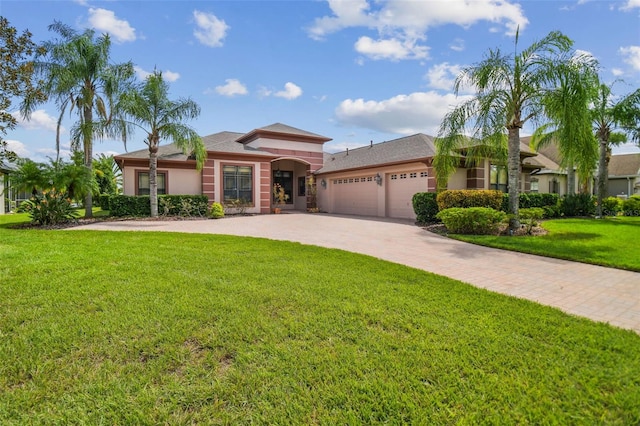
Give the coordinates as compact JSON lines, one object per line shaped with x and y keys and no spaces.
{"x":610,"y":242}
{"x":161,"y":328}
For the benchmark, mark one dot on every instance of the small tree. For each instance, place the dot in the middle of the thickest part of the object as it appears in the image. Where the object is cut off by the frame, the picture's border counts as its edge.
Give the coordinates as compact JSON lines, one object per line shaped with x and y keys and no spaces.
{"x":149,"y":108}
{"x":76,"y":72}
{"x":16,"y":74}
{"x":509,"y":89}
{"x":607,"y":115}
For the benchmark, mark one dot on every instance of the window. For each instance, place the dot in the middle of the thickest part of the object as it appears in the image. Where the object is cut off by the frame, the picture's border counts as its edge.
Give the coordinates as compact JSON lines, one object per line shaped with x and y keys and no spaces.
{"x":143,"y":183}
{"x":413,"y":175}
{"x":302,"y":186}
{"x":238,"y":183}
{"x":423,"y":174}
{"x":535,"y":187}
{"x":499,"y":178}
{"x":403,"y":175}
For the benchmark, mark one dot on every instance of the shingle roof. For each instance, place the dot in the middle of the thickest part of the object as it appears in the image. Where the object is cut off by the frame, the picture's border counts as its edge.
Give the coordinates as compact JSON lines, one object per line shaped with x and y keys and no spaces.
{"x":217,"y":142}
{"x":283,"y":128}
{"x":416,"y":147}
{"x":624,"y":165}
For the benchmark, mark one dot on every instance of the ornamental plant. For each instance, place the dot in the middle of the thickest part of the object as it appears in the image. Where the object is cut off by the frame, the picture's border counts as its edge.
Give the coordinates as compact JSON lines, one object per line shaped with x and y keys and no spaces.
{"x":279,"y":196}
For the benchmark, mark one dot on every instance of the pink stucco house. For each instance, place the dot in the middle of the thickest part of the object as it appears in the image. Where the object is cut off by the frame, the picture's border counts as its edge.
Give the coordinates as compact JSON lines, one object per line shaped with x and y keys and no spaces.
{"x":374,"y":180}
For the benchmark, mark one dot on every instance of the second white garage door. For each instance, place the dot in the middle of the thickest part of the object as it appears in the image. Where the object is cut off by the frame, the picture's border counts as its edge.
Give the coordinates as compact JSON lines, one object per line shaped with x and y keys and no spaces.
{"x":400,"y":188}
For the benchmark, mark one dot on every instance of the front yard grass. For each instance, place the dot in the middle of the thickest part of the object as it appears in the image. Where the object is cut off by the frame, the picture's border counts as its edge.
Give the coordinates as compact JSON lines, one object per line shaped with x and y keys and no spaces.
{"x":609,"y":242}
{"x":162,"y":328}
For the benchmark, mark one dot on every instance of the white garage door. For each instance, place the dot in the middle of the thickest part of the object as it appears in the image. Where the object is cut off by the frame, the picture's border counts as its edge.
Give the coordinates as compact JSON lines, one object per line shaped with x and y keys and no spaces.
{"x":400,"y":188}
{"x":357,"y":195}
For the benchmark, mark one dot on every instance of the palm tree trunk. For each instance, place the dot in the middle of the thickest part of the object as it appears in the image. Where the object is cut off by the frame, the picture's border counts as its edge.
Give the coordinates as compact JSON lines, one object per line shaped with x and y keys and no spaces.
{"x":602,"y":174}
{"x":153,"y":174}
{"x":88,"y":158}
{"x":513,"y":169}
{"x":571,"y":178}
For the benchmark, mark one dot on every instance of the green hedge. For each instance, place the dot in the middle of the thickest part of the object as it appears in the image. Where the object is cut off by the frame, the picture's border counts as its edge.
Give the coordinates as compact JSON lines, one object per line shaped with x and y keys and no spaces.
{"x":168,"y":205}
{"x":425,"y":207}
{"x":470,"y":198}
{"x":103,"y":201}
{"x":578,"y":205}
{"x":472,"y":220}
{"x":631,"y":206}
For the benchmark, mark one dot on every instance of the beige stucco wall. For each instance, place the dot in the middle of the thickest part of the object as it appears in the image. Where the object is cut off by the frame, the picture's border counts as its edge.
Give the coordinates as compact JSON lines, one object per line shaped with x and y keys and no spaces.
{"x":180,"y":181}
{"x":458,"y":180}
{"x":283,"y":144}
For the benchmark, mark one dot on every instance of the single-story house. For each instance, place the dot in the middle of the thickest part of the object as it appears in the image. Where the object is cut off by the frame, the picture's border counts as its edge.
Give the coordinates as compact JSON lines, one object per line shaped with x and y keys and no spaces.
{"x":378,"y":179}
{"x":624,"y":175}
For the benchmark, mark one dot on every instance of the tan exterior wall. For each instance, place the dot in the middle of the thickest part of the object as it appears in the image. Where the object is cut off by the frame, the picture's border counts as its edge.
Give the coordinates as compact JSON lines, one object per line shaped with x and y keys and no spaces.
{"x":458,"y":180}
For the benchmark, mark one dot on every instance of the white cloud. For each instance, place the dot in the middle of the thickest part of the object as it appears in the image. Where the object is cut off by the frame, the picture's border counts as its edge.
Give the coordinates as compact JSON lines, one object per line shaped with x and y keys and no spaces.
{"x":18,"y":147}
{"x":105,"y":20}
{"x":211,"y":31}
{"x":401,"y":24}
{"x":442,"y":76}
{"x":419,"y":112}
{"x":631,"y":56}
{"x":392,"y":49}
{"x":457,"y":45}
{"x":39,"y":120}
{"x":291,"y":91}
{"x":233,"y":87}
{"x":167,"y":75}
{"x":631,"y":4}
{"x":617,"y":72}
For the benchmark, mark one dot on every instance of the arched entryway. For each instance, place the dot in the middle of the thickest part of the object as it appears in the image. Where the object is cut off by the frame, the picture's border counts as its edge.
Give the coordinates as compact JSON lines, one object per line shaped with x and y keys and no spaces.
{"x":292,"y":174}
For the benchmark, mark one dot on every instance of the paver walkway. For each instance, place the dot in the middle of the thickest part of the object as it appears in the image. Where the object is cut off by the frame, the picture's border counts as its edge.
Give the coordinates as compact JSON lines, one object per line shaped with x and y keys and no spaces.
{"x":602,"y":294}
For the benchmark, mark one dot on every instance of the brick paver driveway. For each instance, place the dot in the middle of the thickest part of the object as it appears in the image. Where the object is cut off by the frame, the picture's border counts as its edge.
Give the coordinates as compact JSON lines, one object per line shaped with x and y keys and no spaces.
{"x":599,"y":293}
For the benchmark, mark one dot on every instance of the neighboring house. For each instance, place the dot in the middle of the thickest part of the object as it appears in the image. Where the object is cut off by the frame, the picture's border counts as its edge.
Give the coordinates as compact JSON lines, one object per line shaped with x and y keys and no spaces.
{"x":624,"y":175}
{"x":546,"y":174}
{"x":375,"y":180}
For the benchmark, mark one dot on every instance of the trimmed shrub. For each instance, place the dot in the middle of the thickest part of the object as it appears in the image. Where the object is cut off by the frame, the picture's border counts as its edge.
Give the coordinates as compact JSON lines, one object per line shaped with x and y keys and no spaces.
{"x":470,"y":198}
{"x":611,"y":206}
{"x":578,"y":205}
{"x":531,"y":217}
{"x":532,"y":199}
{"x":552,"y":211}
{"x":217,"y":211}
{"x":472,"y":220}
{"x":168,"y":205}
{"x":129,"y":205}
{"x":425,"y":207}
{"x":103,"y":201}
{"x":631,"y":206}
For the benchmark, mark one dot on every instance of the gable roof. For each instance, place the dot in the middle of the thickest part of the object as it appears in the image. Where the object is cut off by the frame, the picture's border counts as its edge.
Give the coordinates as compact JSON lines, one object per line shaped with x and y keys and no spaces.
{"x":282,"y":131}
{"x":417,"y":147}
{"x":624,"y":165}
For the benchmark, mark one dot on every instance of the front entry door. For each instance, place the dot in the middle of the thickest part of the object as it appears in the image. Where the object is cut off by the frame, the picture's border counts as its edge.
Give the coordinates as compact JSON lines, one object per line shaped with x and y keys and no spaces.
{"x":285,"y":179}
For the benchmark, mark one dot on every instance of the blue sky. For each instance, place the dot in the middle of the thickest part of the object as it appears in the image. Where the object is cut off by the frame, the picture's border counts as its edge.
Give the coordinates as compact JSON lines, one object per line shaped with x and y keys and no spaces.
{"x":355,"y":71}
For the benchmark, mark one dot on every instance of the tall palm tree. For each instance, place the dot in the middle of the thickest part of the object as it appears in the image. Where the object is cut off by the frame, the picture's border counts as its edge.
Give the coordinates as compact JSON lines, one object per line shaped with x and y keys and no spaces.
{"x":76,"y":72}
{"x":150,"y":109}
{"x":509,"y":88}
{"x":609,"y":115}
{"x":569,"y":126}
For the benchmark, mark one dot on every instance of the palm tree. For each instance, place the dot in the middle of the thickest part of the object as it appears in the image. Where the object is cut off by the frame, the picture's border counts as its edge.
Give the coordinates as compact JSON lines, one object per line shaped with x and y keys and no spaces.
{"x":567,"y":108}
{"x":509,"y":90}
{"x":609,"y":115}
{"x":150,"y":109}
{"x":77,"y":74}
